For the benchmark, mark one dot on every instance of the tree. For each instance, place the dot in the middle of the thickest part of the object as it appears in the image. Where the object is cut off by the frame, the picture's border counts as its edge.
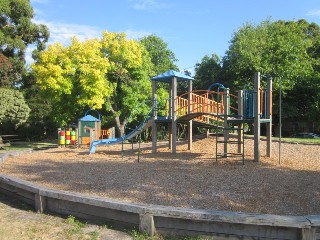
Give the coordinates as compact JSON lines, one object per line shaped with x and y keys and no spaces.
{"x":129,"y":74}
{"x":17,"y":31}
{"x":207,"y":72}
{"x":162,"y":57}
{"x":13,"y":108}
{"x":274,"y":48}
{"x":303,"y":100}
{"x":283,"y":49}
{"x":73,"y":78}
{"x":111,"y":73}
{"x":6,"y":71}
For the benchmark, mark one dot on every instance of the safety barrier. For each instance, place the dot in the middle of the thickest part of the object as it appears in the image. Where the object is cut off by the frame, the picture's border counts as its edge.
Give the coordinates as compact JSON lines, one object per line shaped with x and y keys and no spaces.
{"x":201,"y":103}
{"x":161,"y":219}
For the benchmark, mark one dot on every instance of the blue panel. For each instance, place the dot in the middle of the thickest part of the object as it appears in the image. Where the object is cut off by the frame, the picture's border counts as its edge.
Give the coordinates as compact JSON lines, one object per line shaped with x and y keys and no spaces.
{"x":89,"y":118}
{"x":167,"y":77}
{"x":248,"y":103}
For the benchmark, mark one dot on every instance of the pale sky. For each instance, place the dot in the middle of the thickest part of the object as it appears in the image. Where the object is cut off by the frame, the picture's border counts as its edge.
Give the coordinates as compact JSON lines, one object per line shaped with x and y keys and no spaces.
{"x":192,"y":29}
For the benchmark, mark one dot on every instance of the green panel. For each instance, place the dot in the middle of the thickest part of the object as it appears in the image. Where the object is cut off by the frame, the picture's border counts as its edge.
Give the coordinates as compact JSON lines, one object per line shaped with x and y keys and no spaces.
{"x":85,"y":128}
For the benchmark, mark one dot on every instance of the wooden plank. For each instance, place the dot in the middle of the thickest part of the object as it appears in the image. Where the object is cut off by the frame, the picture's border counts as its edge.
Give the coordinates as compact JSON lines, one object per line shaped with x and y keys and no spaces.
{"x":187,"y":226}
{"x":314,"y":220}
{"x":230,"y":217}
{"x":15,"y":182}
{"x":170,"y":219}
{"x":315,"y":224}
{"x":17,"y":191}
{"x":317,"y":233}
{"x":210,"y":236}
{"x":95,"y":201}
{"x":17,"y":196}
{"x":307,"y":234}
{"x":93,"y":213}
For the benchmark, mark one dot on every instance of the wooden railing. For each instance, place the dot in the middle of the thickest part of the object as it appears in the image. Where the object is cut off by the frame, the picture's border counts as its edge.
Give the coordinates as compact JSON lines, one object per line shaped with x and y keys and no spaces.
{"x":203,"y":103}
{"x":104,"y":133}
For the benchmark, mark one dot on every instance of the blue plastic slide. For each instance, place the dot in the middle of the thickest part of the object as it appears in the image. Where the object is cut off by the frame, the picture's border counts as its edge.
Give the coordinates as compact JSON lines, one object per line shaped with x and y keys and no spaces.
{"x":147,"y":123}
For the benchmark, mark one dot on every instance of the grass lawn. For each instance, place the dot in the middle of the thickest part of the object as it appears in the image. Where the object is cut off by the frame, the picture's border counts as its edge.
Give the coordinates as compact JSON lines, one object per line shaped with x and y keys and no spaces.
{"x":28,"y":145}
{"x":18,"y":221}
{"x":300,"y":140}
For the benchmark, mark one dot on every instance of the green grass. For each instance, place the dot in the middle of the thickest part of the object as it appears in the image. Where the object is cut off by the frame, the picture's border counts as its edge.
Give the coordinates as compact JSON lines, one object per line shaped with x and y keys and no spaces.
{"x":136,"y":235}
{"x":18,"y":221}
{"x":76,"y":225}
{"x":292,"y":140}
{"x":27,"y":145}
{"x":300,"y":140}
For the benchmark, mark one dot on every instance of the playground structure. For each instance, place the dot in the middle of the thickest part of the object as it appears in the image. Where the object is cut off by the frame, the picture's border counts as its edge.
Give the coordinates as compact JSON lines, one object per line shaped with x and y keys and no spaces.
{"x":207,"y":109}
{"x":87,"y":131}
{"x":254,"y":107}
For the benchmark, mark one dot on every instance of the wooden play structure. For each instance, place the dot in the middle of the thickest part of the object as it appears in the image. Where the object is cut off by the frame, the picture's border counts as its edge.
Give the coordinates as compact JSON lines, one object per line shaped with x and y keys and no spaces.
{"x":87,"y":131}
{"x":213,"y":110}
{"x":207,"y":109}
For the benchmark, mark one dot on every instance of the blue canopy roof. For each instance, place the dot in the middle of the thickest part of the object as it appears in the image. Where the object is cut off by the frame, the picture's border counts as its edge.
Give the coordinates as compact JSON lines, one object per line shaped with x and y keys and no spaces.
{"x":89,"y":118}
{"x":167,"y":77}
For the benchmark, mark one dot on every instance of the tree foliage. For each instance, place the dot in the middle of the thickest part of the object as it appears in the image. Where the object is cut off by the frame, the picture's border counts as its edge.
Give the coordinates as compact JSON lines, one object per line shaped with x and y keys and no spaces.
{"x":13,"y":108}
{"x":73,"y":77}
{"x":207,"y":72}
{"x":6,"y":71}
{"x":17,"y":31}
{"x":280,"y":48}
{"x":303,"y":100}
{"x":286,"y":50}
{"x":111,"y":73}
{"x":129,"y":75}
{"x":162,"y":57}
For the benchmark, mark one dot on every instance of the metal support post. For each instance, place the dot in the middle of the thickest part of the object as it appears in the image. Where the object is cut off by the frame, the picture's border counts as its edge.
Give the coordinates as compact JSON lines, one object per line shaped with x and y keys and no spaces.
{"x":154,"y":117}
{"x":269,"y":116}
{"x":257,"y":117}
{"x":225,"y":121}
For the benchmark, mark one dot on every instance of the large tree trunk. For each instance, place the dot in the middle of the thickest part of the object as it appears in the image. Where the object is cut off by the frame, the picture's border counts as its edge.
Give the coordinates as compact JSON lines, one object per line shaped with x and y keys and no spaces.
{"x":120,"y":125}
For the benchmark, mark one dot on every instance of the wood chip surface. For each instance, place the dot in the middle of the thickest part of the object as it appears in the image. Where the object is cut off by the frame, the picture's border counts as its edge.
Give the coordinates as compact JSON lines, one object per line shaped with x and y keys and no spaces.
{"x":191,"y":179}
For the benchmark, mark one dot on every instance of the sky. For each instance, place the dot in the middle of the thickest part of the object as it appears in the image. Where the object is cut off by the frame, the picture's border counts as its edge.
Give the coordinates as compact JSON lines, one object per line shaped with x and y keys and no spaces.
{"x":191,"y":28}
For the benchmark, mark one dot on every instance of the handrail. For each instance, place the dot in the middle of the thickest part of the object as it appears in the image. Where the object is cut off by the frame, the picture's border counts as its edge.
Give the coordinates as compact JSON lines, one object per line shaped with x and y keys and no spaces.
{"x":201,"y":102}
{"x":205,"y":92}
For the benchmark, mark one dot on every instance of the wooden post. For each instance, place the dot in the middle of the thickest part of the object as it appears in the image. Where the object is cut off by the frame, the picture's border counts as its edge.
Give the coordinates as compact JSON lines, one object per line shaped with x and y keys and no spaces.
{"x":269,"y":116}
{"x":39,"y":202}
{"x":207,"y":110}
{"x":174,"y":115}
{"x":147,"y":224}
{"x":257,"y":117}
{"x":225,"y":121}
{"x":190,"y":111}
{"x":170,"y":115}
{"x":154,"y":117}
{"x":240,"y":125}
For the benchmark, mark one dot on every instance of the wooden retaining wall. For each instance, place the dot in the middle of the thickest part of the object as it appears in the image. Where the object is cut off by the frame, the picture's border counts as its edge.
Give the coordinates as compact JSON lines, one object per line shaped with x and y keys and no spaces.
{"x":160,"y":219}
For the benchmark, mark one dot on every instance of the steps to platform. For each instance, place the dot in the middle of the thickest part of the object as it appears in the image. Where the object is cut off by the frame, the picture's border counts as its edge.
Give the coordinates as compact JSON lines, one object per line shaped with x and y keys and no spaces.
{"x":226,"y":139}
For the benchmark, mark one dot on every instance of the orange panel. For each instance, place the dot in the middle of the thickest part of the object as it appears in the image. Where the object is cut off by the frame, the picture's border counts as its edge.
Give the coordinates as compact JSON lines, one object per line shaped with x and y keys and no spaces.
{"x":85,"y":140}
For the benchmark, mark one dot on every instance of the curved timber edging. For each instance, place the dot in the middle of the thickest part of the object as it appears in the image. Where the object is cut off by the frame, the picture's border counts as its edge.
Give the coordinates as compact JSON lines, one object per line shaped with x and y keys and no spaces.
{"x":162,"y":219}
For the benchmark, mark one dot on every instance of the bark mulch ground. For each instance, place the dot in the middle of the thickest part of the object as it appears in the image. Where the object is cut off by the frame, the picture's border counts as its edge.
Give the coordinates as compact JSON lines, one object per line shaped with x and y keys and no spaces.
{"x":191,"y":179}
